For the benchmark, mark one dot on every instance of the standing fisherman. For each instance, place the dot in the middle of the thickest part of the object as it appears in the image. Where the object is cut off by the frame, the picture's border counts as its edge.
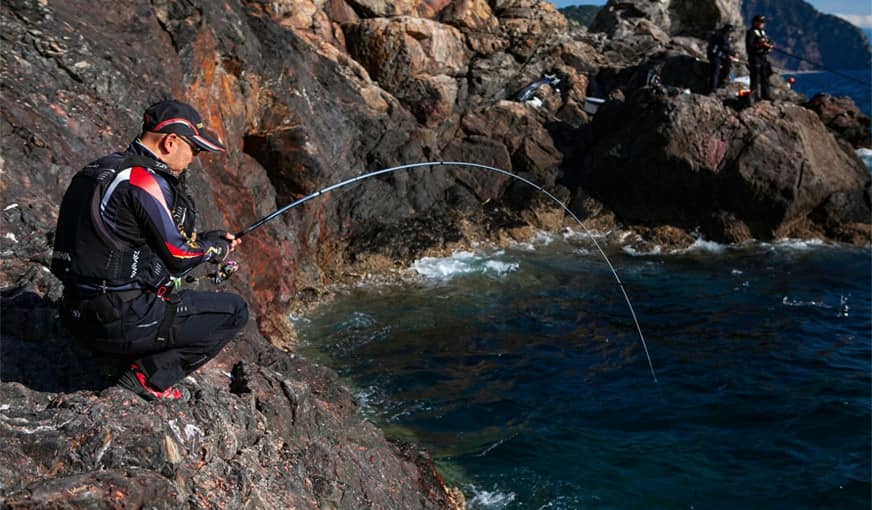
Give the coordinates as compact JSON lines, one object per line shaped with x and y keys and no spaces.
{"x":758,"y":47}
{"x":125,"y":234}
{"x":721,"y":56}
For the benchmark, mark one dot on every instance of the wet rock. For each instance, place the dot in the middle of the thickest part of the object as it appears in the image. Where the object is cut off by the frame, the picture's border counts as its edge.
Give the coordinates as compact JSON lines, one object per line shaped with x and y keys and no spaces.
{"x":688,"y":159}
{"x":842,"y":117}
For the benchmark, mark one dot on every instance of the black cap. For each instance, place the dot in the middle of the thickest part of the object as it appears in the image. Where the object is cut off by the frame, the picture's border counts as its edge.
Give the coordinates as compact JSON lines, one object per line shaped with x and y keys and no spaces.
{"x":727,"y":28}
{"x":173,"y":116}
{"x":758,"y":19}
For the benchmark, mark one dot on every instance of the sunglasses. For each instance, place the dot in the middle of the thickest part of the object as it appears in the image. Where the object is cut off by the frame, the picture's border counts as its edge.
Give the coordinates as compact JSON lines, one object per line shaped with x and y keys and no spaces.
{"x":195,"y":149}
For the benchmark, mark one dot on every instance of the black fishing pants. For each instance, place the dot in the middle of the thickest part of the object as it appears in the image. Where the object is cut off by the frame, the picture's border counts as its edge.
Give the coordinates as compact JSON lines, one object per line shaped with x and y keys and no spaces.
{"x":760,"y":72}
{"x":203,"y":324}
{"x":720,"y":71}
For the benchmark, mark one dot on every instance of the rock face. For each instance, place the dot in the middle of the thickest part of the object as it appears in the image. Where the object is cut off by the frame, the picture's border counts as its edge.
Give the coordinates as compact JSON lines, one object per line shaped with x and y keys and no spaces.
{"x":582,"y":14}
{"x":622,"y":18}
{"x":842,"y":117}
{"x":418,"y":60}
{"x":257,"y":429}
{"x":690,"y":161}
{"x":309,"y":93}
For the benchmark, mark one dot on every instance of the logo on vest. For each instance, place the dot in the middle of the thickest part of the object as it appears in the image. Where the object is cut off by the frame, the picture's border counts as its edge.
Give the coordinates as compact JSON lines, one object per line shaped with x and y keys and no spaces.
{"x":134,"y":266}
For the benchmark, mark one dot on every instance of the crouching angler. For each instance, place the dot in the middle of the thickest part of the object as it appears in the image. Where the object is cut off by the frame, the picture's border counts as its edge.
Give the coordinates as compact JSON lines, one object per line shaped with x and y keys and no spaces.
{"x":125,"y":234}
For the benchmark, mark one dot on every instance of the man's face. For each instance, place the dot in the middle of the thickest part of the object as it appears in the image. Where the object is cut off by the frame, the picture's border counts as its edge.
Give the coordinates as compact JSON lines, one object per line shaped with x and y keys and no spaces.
{"x":178,"y":152}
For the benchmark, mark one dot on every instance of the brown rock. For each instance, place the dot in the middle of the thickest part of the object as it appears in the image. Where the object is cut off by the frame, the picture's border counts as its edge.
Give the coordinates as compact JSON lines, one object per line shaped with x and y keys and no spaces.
{"x":475,"y":15}
{"x":528,"y":22}
{"x":394,"y":50}
{"x":383,"y":8}
{"x":842,"y":117}
{"x":682,"y":160}
{"x":627,"y":18}
{"x":415,"y":59}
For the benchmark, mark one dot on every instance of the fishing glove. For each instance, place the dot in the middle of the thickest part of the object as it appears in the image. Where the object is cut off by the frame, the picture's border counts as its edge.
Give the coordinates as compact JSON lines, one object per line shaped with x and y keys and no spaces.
{"x":218,"y":246}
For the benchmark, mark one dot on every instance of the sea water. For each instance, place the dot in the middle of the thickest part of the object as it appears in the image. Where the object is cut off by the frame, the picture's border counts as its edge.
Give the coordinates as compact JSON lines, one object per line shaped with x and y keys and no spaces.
{"x":854,"y":83}
{"x":521,"y":370}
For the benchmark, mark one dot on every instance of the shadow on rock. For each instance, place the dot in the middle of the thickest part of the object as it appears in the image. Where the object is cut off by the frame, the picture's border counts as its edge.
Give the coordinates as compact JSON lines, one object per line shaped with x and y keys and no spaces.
{"x":38,"y":352}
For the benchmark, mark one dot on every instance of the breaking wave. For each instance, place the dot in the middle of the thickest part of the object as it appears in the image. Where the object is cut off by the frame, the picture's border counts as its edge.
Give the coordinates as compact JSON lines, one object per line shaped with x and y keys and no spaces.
{"x":489,"y":500}
{"x":866,"y":156}
{"x":463,"y":263}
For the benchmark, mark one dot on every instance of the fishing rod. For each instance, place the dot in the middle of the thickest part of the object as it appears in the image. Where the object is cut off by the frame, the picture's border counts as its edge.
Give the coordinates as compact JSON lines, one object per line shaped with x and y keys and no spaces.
{"x":823,"y":67}
{"x":259,"y":223}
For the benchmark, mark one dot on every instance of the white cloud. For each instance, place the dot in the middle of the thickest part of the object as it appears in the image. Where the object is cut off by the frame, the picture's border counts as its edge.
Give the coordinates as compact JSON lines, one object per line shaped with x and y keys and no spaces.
{"x":861,"y":20}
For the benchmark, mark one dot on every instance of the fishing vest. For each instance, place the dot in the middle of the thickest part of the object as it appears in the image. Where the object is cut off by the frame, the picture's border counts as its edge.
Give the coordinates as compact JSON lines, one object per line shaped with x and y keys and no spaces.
{"x":757,"y":42}
{"x":87,"y":252}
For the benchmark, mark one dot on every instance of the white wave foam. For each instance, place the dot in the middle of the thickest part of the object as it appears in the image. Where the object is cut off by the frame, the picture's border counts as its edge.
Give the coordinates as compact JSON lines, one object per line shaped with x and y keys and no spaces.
{"x":702,"y":245}
{"x":540,"y":238}
{"x":369,"y":398}
{"x":569,"y":234}
{"x":489,"y":500}
{"x":298,"y":319}
{"x":842,"y":310}
{"x":633,"y":251}
{"x":796,"y":244}
{"x":500,"y":267}
{"x":358,"y":320}
{"x":867,"y":159}
{"x":786,"y":301}
{"x":461,"y":263}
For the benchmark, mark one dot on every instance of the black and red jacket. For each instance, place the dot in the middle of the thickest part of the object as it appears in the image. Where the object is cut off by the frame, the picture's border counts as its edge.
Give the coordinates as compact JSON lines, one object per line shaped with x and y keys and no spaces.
{"x":126,"y":220}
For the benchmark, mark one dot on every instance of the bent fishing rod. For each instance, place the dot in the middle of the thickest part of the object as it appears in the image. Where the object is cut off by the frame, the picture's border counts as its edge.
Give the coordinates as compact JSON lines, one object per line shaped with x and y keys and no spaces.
{"x":823,"y":67}
{"x":259,"y":223}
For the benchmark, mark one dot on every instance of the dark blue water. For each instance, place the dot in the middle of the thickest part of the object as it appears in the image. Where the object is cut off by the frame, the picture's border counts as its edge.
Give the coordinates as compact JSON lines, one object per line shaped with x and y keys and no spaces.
{"x":522,"y":372}
{"x":854,"y":83}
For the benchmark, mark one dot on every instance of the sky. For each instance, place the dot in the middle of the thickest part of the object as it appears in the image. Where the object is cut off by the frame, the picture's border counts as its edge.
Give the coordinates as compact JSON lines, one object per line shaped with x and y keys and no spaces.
{"x":858,"y":12}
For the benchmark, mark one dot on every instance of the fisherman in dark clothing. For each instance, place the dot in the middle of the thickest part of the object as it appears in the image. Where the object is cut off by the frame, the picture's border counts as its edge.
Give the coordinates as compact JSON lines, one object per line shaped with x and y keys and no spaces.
{"x":758,"y":47}
{"x":721,"y":56}
{"x":125,"y":236}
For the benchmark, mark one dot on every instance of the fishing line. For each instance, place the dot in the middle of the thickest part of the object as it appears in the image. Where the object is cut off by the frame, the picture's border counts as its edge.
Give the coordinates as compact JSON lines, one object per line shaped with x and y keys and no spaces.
{"x":257,"y":224}
{"x":823,"y":67}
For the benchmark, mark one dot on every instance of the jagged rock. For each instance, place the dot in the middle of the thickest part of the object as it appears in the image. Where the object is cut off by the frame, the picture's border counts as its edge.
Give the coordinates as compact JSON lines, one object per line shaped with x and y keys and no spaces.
{"x":527,"y":23}
{"x":683,"y":160}
{"x":415,"y":59}
{"x":257,"y":428}
{"x":475,"y":15}
{"x":381,"y":8}
{"x":842,"y":117}
{"x":307,"y":94}
{"x":491,"y":74}
{"x":663,"y":18}
{"x":519,"y":128}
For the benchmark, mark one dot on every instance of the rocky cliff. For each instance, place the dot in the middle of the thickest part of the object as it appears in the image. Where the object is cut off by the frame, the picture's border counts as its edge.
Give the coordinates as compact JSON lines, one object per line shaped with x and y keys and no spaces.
{"x":799,"y":29}
{"x":308,"y":93}
{"x":582,"y":14}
